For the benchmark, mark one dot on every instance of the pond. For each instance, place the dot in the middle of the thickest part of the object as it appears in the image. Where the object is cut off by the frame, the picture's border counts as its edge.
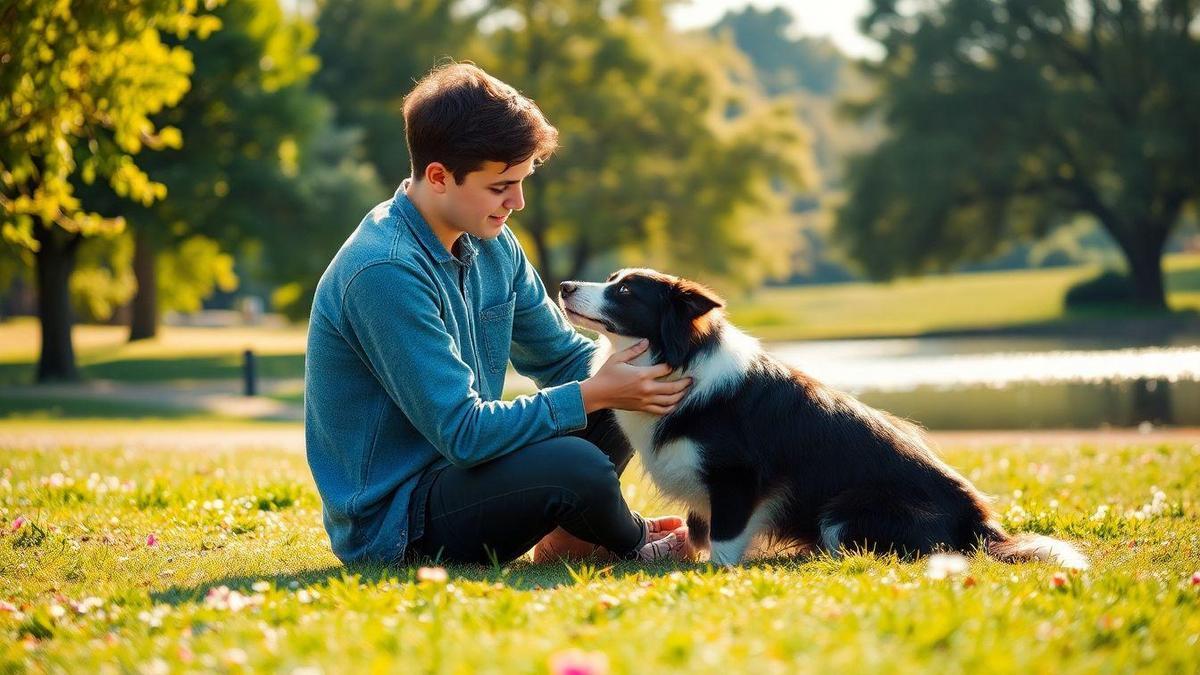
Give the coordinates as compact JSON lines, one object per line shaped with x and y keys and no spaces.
{"x":1011,"y":383}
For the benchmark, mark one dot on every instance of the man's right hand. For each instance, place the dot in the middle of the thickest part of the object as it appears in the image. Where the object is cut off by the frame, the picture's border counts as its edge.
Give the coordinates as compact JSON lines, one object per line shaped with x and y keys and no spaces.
{"x":621,"y":385}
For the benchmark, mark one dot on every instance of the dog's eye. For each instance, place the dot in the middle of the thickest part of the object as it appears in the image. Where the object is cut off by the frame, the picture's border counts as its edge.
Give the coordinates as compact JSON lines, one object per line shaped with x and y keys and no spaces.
{"x":623,"y":289}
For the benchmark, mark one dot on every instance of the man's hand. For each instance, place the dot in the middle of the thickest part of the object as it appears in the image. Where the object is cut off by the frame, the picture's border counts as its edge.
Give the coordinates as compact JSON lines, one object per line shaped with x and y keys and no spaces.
{"x":623,"y":386}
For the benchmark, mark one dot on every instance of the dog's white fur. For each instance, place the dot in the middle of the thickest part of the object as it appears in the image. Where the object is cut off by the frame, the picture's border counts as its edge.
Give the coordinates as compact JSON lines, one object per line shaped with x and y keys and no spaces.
{"x":675,"y":467}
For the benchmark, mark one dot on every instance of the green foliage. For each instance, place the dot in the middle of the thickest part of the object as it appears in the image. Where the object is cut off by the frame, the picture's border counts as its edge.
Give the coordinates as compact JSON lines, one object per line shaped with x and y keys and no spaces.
{"x":332,"y":189}
{"x":242,"y":121}
{"x":262,"y":168}
{"x":103,"y":279}
{"x":1009,"y":118}
{"x":372,"y":51}
{"x":79,"y":84}
{"x":191,"y":272}
{"x":667,"y":159}
{"x":784,"y":64}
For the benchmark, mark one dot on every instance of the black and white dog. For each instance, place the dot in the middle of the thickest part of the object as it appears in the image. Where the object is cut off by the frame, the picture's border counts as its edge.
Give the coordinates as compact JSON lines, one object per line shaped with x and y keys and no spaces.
{"x":758,"y":447}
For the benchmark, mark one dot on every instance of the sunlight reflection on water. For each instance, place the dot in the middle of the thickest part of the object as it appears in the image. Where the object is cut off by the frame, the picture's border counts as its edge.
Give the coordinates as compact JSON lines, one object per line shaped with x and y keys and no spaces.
{"x":886,"y":369}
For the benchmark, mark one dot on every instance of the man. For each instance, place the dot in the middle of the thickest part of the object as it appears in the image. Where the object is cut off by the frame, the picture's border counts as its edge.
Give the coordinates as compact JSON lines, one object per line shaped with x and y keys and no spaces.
{"x":412,"y":328}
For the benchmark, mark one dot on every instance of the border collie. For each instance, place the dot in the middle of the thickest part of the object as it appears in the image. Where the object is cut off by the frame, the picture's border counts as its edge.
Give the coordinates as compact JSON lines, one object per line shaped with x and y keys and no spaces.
{"x":757,"y":447}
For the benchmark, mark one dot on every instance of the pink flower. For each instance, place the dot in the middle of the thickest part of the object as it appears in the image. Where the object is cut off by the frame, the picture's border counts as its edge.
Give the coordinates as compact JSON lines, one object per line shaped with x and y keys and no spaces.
{"x":151,"y":540}
{"x":19,"y":523}
{"x":1196,"y":579}
{"x":576,"y":662}
{"x":6,"y":606}
{"x":1059,"y":580}
{"x":433,"y":575}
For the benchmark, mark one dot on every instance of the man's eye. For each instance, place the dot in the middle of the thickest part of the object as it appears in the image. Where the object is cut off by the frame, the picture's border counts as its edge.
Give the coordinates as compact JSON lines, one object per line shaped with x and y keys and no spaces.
{"x":497,"y":191}
{"x":623,"y":289}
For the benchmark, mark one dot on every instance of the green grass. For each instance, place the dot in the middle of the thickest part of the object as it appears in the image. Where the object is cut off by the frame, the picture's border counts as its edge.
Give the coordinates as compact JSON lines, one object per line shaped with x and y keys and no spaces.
{"x":88,"y":593}
{"x":179,"y":353}
{"x":29,"y":408}
{"x":993,"y":300}
{"x":917,"y":306}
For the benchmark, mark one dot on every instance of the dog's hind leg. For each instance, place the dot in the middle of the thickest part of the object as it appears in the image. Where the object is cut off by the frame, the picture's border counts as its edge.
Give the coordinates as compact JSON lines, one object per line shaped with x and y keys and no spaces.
{"x":881,"y":521}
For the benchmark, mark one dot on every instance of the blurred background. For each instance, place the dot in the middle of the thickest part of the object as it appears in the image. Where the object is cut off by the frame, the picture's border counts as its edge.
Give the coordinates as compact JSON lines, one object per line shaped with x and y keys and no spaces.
{"x":976,"y":214}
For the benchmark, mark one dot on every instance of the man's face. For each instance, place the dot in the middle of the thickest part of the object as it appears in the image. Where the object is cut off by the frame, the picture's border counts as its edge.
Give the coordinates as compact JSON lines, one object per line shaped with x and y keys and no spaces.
{"x":485,"y":199}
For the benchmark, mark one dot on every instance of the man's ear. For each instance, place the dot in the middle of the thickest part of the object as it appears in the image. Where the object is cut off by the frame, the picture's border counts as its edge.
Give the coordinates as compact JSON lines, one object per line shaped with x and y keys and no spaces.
{"x":437,"y":175}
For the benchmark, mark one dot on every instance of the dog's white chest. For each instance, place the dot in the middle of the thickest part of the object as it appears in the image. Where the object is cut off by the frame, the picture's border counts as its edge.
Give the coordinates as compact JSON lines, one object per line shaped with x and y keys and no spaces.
{"x":674,"y":467}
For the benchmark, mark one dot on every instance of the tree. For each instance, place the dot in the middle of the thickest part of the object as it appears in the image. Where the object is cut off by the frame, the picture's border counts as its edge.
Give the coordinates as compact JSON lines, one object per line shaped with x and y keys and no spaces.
{"x":314,"y":213}
{"x":665,"y":157}
{"x":244,"y":122}
{"x":78,"y":85}
{"x":785,"y":64}
{"x":372,"y":52}
{"x":1010,"y":117}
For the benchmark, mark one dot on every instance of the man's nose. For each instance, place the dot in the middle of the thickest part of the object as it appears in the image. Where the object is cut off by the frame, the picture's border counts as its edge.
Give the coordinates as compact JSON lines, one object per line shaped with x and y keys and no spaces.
{"x":568,"y":287}
{"x":517,"y":201}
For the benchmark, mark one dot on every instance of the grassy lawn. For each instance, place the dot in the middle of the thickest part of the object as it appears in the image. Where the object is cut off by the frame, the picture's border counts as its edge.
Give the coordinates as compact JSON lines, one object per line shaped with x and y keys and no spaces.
{"x":907,"y":307}
{"x":239,"y":577}
{"x":179,"y":353}
{"x":917,"y":306}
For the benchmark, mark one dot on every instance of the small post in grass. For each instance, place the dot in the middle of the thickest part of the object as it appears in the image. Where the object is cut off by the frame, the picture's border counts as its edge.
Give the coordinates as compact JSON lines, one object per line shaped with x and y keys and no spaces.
{"x":248,"y":372}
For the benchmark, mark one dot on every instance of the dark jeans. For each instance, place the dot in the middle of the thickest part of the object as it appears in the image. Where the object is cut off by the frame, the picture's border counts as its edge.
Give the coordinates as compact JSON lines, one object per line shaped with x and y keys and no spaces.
{"x":503,"y":507}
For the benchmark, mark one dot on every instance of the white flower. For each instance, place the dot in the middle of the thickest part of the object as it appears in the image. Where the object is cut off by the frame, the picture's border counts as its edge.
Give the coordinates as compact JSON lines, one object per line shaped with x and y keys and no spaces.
{"x":942,"y":565}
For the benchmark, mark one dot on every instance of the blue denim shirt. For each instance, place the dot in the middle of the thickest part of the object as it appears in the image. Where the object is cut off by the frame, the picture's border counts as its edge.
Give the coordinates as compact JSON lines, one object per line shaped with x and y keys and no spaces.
{"x":407,"y":351}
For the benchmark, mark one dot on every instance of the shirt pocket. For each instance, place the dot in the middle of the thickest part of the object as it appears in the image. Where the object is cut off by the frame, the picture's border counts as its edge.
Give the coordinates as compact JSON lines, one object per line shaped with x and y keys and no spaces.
{"x":496,"y":323}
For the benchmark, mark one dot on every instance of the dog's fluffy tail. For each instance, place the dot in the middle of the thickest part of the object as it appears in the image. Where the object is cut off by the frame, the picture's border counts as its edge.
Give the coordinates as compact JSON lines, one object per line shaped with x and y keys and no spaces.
{"x":1027,"y":547}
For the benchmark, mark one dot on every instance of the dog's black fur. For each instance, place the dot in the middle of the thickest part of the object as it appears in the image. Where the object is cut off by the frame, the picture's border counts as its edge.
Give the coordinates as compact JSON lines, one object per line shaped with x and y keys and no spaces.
{"x":837,"y":473}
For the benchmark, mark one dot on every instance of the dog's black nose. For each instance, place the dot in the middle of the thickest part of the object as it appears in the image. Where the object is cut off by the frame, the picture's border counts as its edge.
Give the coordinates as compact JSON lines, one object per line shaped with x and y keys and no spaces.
{"x":568,"y":287}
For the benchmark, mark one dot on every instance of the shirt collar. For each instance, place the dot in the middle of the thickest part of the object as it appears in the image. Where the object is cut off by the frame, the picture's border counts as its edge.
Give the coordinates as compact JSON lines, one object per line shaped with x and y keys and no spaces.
{"x":408,"y":212}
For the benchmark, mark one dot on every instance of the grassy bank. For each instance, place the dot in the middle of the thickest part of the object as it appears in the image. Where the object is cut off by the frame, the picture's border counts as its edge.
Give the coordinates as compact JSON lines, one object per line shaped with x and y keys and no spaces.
{"x":986,"y":301}
{"x":216,"y":560}
{"x":957,"y":302}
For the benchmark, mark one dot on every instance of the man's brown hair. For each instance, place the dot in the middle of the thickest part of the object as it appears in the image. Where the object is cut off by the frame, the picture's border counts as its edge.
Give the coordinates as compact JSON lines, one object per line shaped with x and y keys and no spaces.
{"x":462,"y":117}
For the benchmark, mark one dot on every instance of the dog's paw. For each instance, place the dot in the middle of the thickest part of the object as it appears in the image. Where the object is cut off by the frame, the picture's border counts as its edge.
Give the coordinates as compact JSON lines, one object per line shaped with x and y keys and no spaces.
{"x":725,"y":554}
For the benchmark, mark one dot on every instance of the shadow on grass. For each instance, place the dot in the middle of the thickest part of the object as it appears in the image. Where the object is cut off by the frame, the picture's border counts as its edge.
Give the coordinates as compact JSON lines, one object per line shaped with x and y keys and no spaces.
{"x":82,"y":408}
{"x":520,"y":575}
{"x":211,"y":367}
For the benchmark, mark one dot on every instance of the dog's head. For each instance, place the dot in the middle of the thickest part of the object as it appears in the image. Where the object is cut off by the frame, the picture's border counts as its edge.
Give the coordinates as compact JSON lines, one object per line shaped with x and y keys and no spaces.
{"x":673,"y":314}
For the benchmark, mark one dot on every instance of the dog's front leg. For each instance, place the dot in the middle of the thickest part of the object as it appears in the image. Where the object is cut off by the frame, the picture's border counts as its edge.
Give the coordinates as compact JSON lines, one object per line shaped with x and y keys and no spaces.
{"x":732,"y":507}
{"x":698,"y":530}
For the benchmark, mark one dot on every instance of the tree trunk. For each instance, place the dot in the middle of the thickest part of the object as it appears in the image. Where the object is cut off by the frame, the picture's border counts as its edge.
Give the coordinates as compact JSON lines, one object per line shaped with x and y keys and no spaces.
{"x":55,"y":262}
{"x":143,"y":325}
{"x":536,"y":220}
{"x":580,"y":257}
{"x":1145,"y":268}
{"x":544,"y":269}
{"x":1143,"y":250}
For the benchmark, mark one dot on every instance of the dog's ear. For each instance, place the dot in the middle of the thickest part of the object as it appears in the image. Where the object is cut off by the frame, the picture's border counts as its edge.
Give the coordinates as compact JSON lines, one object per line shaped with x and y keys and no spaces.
{"x":695,"y":300}
{"x":687,"y":304}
